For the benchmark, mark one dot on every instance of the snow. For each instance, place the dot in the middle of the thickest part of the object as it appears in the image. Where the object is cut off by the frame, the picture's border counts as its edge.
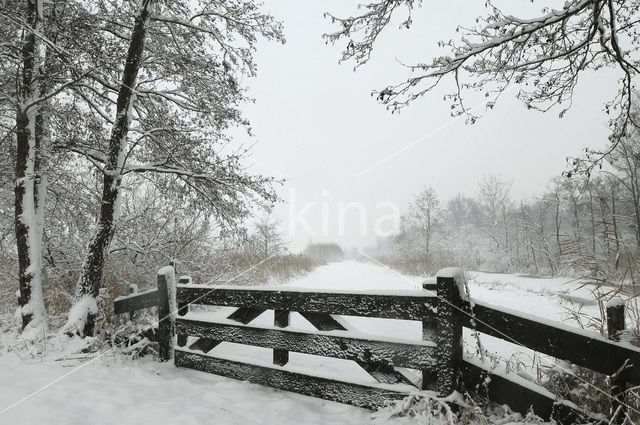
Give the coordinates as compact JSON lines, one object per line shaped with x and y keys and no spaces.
{"x":186,"y":278}
{"x":615,"y":302}
{"x":457,"y":274}
{"x":499,"y":370}
{"x":79,"y":314}
{"x":451,"y":272}
{"x":302,"y":368}
{"x":355,"y":276}
{"x":167,"y":271}
{"x":134,"y":294}
{"x":143,"y":391}
{"x":34,"y":188}
{"x":310,"y":290}
{"x":169,"y":274}
{"x":122,"y":391}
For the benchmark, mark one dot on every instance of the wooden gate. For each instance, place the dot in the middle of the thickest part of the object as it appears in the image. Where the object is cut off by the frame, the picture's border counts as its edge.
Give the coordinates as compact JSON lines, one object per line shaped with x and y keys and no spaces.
{"x":443,"y":367}
{"x":378,"y":356}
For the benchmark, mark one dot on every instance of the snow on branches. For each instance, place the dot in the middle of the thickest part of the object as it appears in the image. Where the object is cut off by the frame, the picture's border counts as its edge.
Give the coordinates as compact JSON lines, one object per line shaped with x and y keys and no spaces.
{"x":543,"y":55}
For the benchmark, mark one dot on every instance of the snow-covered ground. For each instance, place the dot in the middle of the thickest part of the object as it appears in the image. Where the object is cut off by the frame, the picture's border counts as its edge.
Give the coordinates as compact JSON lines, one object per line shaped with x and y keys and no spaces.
{"x":122,"y":391}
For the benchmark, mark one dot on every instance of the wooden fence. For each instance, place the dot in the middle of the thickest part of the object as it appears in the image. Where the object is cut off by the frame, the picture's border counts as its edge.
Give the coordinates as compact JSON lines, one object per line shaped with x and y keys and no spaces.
{"x":439,"y":356}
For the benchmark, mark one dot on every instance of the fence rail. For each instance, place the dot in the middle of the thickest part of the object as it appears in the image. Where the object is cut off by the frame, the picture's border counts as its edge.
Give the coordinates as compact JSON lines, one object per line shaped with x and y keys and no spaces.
{"x":135,"y":301}
{"x":583,"y":348}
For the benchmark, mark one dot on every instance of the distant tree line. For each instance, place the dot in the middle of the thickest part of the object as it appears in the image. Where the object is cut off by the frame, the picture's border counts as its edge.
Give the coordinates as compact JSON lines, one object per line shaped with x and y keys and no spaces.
{"x":584,"y":224}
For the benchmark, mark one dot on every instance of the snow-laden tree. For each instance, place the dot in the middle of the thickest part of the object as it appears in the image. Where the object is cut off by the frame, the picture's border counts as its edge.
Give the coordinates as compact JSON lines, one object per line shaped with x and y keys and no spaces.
{"x":25,"y":98}
{"x":41,"y":57}
{"x":161,"y":101}
{"x":144,"y":88}
{"x":543,"y":54}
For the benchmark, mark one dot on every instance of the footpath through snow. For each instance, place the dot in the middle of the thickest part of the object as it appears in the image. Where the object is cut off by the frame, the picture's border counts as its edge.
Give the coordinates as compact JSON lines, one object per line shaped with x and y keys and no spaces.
{"x":115,"y":390}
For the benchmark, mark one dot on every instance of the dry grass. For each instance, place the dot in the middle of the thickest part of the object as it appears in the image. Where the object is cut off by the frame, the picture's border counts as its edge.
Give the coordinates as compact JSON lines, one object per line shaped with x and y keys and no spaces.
{"x":254,"y":269}
{"x":419,"y":265}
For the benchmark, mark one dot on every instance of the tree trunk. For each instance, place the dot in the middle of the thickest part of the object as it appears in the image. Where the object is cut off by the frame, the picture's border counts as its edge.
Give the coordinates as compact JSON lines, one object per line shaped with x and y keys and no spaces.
{"x":517,"y":238}
{"x":576,"y":226}
{"x":557,"y":221}
{"x":615,"y":227}
{"x":605,"y":222}
{"x":81,"y":318}
{"x":507,"y":245}
{"x":593,"y":220}
{"x":30,"y":180}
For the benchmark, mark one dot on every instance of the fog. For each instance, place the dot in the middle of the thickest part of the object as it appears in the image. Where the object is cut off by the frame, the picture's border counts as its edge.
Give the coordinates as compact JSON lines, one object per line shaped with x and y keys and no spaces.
{"x":316,"y":125}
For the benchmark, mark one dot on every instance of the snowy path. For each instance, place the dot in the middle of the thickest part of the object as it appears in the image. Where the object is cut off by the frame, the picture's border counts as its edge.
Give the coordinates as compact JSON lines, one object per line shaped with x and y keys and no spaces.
{"x":122,"y":391}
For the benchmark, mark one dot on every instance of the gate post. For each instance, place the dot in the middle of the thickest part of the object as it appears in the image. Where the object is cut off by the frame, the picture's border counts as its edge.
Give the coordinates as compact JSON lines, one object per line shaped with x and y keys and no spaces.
{"x":615,"y":324}
{"x":182,"y":310}
{"x":166,"y":311}
{"x":450,"y":289}
{"x":429,"y":333}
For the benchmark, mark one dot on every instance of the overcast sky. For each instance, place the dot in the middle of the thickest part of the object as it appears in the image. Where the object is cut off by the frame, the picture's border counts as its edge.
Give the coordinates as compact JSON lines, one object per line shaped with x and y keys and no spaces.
{"x":316,"y":125}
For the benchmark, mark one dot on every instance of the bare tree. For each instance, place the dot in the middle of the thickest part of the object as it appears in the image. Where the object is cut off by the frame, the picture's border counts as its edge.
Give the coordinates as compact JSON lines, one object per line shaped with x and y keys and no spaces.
{"x":423,"y":219}
{"x":545,"y":54}
{"x":494,"y":197}
{"x":625,"y":160}
{"x":555,"y":194}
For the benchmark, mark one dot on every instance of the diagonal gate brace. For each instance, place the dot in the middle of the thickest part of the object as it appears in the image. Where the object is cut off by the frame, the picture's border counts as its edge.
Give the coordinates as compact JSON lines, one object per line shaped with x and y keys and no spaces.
{"x":383,"y":373}
{"x":243,"y":315}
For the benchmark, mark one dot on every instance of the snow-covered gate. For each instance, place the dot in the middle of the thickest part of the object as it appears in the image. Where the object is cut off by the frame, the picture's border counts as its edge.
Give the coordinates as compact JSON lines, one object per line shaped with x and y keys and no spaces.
{"x":443,"y":311}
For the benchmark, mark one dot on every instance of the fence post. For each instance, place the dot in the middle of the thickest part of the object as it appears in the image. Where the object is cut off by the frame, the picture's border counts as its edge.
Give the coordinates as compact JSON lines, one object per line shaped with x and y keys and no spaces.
{"x":166,"y":311}
{"x":182,"y":310}
{"x":615,"y":325}
{"x":133,"y":289}
{"x":450,"y":286}
{"x":281,"y":320}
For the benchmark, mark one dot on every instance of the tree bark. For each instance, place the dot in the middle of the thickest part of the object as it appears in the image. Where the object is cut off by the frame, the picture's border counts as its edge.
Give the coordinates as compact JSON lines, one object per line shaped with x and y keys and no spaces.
{"x":30,"y":183}
{"x":593,"y":219}
{"x":615,"y":226}
{"x":91,"y":278}
{"x":557,"y":222}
